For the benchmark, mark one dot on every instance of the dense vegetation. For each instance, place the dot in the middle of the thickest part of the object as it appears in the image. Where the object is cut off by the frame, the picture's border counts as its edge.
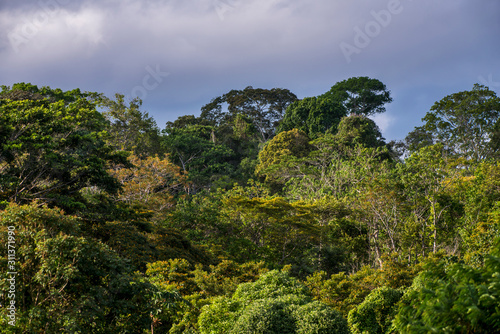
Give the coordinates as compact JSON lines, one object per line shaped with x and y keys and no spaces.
{"x":265,"y":214}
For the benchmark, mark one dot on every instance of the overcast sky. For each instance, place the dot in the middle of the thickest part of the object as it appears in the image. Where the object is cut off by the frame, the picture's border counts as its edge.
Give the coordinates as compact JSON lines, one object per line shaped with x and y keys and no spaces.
{"x":178,"y":55}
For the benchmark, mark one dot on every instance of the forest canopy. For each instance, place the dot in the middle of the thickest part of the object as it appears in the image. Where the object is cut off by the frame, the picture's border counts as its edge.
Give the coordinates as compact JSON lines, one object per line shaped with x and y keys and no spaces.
{"x":264,"y":214}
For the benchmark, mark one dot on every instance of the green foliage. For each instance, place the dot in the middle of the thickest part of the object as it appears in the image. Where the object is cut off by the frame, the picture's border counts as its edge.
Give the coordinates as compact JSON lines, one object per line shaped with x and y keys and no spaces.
{"x":338,"y":211}
{"x":220,"y":316}
{"x":198,"y":285}
{"x":263,"y":108}
{"x":26,"y":91}
{"x":361,"y":95}
{"x":342,"y":291}
{"x":333,"y":169}
{"x":313,"y":116}
{"x":199,"y":217}
{"x":141,"y":242}
{"x":359,"y":130}
{"x":271,"y":226}
{"x":130,"y":128}
{"x":317,"y":318}
{"x":283,"y":147}
{"x":427,"y":176}
{"x":50,"y":150}
{"x":464,"y":122}
{"x":66,"y":283}
{"x":271,"y":285}
{"x":226,"y":276}
{"x":375,"y":313}
{"x":318,"y":115}
{"x":480,"y":195}
{"x":453,"y":298}
{"x":276,"y":303}
{"x":265,"y":316}
{"x":193,"y":149}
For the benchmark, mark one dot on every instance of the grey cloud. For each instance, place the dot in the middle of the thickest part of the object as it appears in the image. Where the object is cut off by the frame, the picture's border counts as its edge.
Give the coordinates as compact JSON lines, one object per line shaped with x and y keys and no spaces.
{"x":427,"y":50}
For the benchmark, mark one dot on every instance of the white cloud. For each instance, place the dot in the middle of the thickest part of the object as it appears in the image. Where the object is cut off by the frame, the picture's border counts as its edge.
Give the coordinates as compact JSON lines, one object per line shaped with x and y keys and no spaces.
{"x":48,"y":36}
{"x":384,"y":121}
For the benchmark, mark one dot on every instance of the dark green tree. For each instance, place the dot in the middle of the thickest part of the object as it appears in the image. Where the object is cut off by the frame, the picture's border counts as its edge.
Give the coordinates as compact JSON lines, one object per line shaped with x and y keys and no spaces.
{"x":313,"y":115}
{"x":361,"y":95}
{"x":263,"y":107}
{"x":359,"y":130}
{"x":465,"y":122}
{"x":193,"y":148}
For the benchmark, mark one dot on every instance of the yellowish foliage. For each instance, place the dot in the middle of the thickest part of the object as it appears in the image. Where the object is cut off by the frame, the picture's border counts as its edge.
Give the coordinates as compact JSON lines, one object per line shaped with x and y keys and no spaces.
{"x":151,"y":183}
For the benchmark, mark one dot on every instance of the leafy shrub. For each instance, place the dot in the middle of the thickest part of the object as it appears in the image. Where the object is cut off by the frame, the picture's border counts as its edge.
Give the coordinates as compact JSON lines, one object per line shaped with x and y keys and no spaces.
{"x":374,"y":315}
{"x":268,"y":316}
{"x":318,"y":318}
{"x":453,"y":298}
{"x":276,"y":303}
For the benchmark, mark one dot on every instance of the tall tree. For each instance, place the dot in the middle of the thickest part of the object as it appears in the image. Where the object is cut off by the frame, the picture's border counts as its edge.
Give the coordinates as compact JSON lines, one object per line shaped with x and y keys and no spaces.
{"x":264,"y":107}
{"x":322,"y":114}
{"x":361,"y":130}
{"x":361,"y":95}
{"x":314,"y":116}
{"x":465,"y":122}
{"x":131,"y":129}
{"x":193,"y":148}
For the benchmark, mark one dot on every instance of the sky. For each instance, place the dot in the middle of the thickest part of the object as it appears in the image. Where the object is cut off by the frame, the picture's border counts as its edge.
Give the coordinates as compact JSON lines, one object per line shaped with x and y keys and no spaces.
{"x":178,"y":55}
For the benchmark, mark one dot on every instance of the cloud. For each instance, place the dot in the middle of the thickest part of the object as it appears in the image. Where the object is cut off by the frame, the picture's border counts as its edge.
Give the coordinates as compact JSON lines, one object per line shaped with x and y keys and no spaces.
{"x":428,"y":48}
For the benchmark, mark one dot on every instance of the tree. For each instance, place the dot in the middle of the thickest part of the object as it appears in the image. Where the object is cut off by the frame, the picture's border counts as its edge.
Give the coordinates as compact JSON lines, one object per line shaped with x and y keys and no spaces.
{"x":426,"y":177}
{"x":465,"y":122}
{"x":415,"y":140}
{"x":67,"y":283}
{"x":275,"y":303}
{"x":263,"y":107}
{"x":361,"y":95}
{"x":273,"y":228}
{"x":151,"y":184}
{"x":293,"y":143}
{"x":354,"y":129}
{"x":375,"y":313}
{"x":130,"y":128}
{"x":453,"y":297}
{"x":193,"y":148}
{"x":53,"y":148}
{"x":313,"y":115}
{"x":333,"y":167}
{"x":26,"y":91}
{"x":198,"y":285}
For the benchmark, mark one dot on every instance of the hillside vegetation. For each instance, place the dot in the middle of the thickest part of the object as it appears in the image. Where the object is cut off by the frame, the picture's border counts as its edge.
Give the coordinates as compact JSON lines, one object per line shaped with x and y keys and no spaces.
{"x":265,"y":214}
